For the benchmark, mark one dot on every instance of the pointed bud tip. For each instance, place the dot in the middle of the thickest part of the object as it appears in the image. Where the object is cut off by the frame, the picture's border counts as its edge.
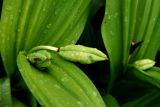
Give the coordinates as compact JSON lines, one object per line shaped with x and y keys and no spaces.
{"x":144,"y":64}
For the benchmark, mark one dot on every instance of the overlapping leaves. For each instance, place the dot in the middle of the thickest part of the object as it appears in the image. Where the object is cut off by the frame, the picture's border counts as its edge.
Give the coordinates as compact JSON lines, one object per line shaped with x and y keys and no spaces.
{"x":125,"y":24}
{"x":30,"y":23}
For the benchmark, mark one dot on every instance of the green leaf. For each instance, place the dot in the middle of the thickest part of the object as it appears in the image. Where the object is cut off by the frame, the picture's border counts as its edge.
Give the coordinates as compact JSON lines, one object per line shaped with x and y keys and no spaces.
{"x":146,"y":100}
{"x":149,"y":26}
{"x":17,"y":103}
{"x":149,"y":76}
{"x":117,"y":32}
{"x":135,"y":5}
{"x":33,"y":22}
{"x":110,"y":101}
{"x":59,"y":22}
{"x":112,"y":36}
{"x":9,"y":19}
{"x":5,"y":92}
{"x":154,"y":43}
{"x":61,"y":84}
{"x":126,"y":22}
{"x":142,"y":13}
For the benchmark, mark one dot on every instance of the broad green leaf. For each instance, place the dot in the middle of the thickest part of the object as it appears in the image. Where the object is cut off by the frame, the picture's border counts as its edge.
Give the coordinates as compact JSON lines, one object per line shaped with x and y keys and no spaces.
{"x":5,"y":92}
{"x":129,"y":10}
{"x":128,"y":89}
{"x":146,"y":100}
{"x":154,"y":103}
{"x":60,"y":21}
{"x":117,"y":31}
{"x":80,"y":78}
{"x":112,"y":37}
{"x":135,"y":5}
{"x":33,"y":22}
{"x":150,"y":76}
{"x":150,"y":30}
{"x":17,"y":103}
{"x":129,"y":18}
{"x":45,"y":91}
{"x":9,"y":19}
{"x":142,"y":13}
{"x":52,"y":86}
{"x":154,"y":43}
{"x":136,"y":21}
{"x":110,"y":101}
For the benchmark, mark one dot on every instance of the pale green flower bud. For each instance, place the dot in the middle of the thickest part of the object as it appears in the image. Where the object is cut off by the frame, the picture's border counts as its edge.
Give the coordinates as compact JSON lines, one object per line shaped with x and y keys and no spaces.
{"x":81,"y":54}
{"x":144,"y":64}
{"x":41,"y":59}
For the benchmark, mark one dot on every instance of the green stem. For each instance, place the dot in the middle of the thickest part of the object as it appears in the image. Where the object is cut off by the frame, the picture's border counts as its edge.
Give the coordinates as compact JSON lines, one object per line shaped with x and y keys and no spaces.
{"x":51,"y":48}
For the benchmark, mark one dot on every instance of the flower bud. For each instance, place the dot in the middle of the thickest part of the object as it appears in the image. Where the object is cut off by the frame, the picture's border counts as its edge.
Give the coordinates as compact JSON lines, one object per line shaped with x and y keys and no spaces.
{"x":144,"y":64}
{"x":81,"y":54}
{"x":41,"y":59}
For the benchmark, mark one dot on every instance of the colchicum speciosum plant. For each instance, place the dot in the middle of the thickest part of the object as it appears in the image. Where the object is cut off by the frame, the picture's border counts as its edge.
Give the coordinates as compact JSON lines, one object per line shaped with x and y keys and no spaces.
{"x":79,"y":53}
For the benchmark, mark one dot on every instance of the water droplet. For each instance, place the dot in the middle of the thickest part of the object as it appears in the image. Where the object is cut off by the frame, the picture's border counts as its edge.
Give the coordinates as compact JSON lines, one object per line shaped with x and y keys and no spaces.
{"x":116,"y":14}
{"x":72,"y":42}
{"x":111,"y":32}
{"x":109,"y":17}
{"x":19,"y":10}
{"x":44,"y":9}
{"x":41,"y":81}
{"x":77,"y":34}
{"x":18,"y":30}
{"x":56,"y":86}
{"x":64,"y":79}
{"x":32,"y":91}
{"x":80,"y":103}
{"x":154,"y":19}
{"x":94,"y":94}
{"x":11,"y":17}
{"x":72,"y":55}
{"x":125,"y":19}
{"x":56,"y":12}
{"x":9,"y":8}
{"x":49,"y":25}
{"x":80,"y":90}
